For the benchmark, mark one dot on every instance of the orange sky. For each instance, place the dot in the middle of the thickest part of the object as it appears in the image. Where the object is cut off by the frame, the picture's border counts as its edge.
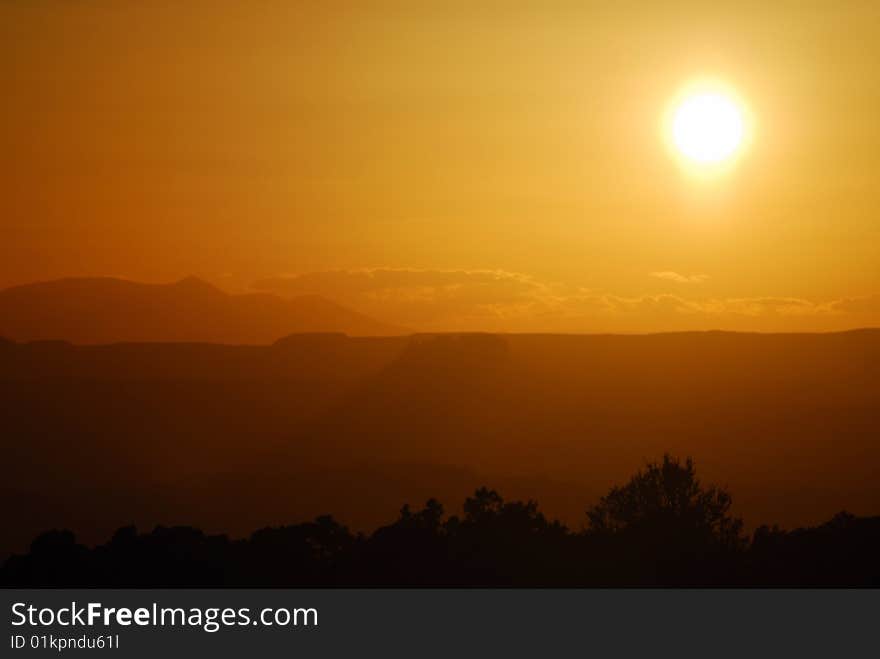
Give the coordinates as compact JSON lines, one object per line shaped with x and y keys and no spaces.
{"x":449,"y":165}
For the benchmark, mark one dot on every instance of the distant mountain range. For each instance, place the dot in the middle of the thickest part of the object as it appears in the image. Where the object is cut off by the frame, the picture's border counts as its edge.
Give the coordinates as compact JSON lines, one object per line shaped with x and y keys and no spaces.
{"x":109,"y":310}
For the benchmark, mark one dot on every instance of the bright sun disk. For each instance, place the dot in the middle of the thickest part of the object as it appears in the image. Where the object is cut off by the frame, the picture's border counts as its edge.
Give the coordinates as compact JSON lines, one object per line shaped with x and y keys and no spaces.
{"x":708,"y":127}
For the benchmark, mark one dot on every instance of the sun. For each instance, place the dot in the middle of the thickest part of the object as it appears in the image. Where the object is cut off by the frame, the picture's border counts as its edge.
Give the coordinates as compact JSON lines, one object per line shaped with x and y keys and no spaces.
{"x":708,"y":126}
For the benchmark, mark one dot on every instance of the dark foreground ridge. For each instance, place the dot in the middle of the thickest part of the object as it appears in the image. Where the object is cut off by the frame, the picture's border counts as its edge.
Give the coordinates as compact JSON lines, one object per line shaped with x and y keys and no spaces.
{"x":663,"y":528}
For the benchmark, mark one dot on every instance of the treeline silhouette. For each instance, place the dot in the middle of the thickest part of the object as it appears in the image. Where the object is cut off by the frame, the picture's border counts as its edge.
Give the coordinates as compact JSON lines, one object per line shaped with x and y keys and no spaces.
{"x":662,"y":528}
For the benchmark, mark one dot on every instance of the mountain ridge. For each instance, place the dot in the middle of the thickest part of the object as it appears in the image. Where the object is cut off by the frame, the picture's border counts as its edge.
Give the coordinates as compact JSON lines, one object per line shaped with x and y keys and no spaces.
{"x":96,"y":310}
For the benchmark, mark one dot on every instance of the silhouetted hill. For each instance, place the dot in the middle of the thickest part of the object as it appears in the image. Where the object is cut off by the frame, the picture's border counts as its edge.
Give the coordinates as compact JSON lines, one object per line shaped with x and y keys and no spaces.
{"x":236,"y":437}
{"x":108,"y":310}
{"x":315,"y":357}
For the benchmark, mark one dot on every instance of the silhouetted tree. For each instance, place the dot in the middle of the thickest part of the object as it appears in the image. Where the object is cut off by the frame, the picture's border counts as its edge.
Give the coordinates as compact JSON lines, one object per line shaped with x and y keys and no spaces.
{"x":55,"y":559}
{"x":498,"y":542}
{"x":843,"y":551}
{"x":669,"y":495}
{"x":302,"y":554}
{"x":668,"y":524}
{"x":411,"y":551}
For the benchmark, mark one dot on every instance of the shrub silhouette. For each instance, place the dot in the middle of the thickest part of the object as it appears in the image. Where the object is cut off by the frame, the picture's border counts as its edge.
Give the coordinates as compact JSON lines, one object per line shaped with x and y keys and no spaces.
{"x":506,"y":543}
{"x":667,"y":498}
{"x":411,"y":551}
{"x":666,"y":524}
{"x":308,"y":554}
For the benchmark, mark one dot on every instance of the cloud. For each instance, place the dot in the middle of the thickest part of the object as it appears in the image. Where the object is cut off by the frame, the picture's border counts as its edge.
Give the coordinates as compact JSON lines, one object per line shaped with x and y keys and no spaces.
{"x":499,"y":300}
{"x":669,"y":275}
{"x":760,"y":306}
{"x":421,"y":296}
{"x":668,"y":304}
{"x":866,"y":304}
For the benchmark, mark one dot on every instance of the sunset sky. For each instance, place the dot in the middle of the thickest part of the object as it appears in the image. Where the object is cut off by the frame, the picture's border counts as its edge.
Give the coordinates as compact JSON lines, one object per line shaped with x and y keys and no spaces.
{"x":450,"y":165}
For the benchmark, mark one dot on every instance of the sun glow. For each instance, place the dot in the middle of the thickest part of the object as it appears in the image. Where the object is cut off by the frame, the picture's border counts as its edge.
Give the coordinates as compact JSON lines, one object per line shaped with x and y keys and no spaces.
{"x":707,"y":126}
